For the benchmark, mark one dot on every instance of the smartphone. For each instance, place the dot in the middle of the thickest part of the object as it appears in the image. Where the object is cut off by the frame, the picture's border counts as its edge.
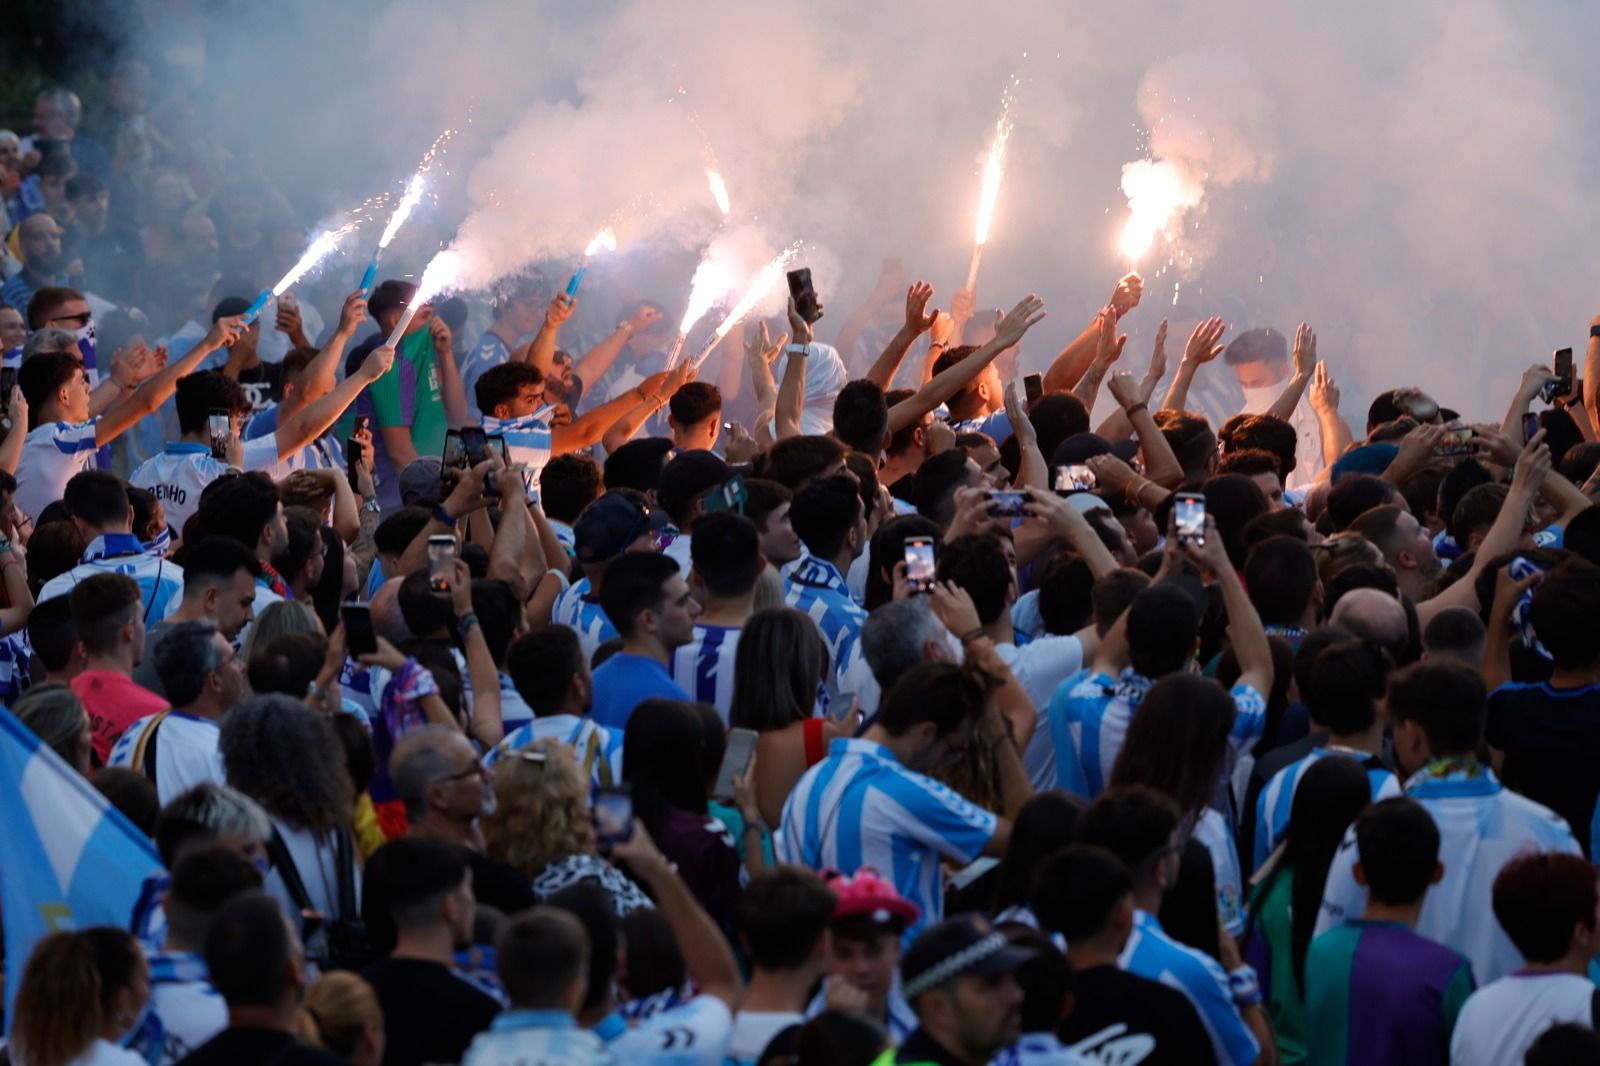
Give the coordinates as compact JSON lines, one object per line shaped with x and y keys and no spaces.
{"x":1007,"y":504}
{"x":1033,"y":387}
{"x":613,"y":814}
{"x":1456,"y":441}
{"x":8,"y":381}
{"x":359,"y":636}
{"x":805,"y":295}
{"x":728,"y":496}
{"x":220,"y":424}
{"x":441,"y":550}
{"x":1074,"y":477}
{"x":455,"y":452}
{"x":919,"y":564}
{"x":1561,"y":364}
{"x":352,"y":456}
{"x":735,"y":761}
{"x":1530,"y":425}
{"x":1189,"y":513}
{"x":475,"y":445}
{"x":363,"y":425}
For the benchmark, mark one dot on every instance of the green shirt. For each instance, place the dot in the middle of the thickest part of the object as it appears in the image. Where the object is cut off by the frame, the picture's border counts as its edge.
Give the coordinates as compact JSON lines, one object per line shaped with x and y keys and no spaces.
{"x":1272,"y":944}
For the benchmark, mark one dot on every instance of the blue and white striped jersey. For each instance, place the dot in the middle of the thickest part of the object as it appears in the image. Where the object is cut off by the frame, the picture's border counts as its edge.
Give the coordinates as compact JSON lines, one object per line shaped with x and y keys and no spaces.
{"x":527,"y":443}
{"x":704,"y":667}
{"x":861,"y":807}
{"x":160,"y":582}
{"x":599,"y":750}
{"x":183,"y":470}
{"x":1089,"y":721}
{"x":1216,"y":833}
{"x":51,"y":454}
{"x":584,"y":616}
{"x":1276,"y":799}
{"x":818,"y":590}
{"x":1482,"y":826}
{"x":1152,"y":954}
{"x":324,"y":453}
{"x":15,"y":651}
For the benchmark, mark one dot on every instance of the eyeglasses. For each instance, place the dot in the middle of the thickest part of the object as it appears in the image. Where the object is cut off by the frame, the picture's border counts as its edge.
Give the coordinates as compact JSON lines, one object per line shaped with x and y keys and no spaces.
{"x":475,"y":770}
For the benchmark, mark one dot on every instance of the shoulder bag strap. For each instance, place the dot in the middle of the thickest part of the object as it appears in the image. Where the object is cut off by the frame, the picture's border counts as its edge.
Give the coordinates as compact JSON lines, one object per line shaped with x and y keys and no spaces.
{"x":283,"y":862}
{"x":144,"y":752}
{"x":344,"y":858}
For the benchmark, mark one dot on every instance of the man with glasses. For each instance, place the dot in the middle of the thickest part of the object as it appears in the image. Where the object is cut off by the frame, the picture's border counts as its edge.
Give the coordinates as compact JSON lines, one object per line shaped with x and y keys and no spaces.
{"x":444,"y":787}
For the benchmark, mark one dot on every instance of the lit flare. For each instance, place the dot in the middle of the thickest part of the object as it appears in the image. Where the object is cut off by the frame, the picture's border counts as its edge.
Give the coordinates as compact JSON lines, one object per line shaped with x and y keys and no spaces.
{"x":989,"y":193}
{"x":719,"y":190}
{"x":762,"y":284}
{"x":439,"y":275}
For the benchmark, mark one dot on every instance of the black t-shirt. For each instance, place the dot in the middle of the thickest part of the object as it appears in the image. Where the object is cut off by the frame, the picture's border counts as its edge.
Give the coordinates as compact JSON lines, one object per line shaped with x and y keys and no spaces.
{"x":1550,"y":737}
{"x":1116,"y":1015}
{"x":429,"y":1014}
{"x":500,"y":885}
{"x":257,"y":1047}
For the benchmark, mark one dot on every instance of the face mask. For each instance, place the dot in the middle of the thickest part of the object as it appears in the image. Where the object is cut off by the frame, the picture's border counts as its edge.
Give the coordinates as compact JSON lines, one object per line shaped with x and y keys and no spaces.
{"x":1260,"y":399}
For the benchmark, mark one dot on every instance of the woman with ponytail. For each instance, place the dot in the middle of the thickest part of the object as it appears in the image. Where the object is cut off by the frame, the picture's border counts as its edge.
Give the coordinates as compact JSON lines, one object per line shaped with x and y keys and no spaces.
{"x":82,"y":997}
{"x":341,"y":1014}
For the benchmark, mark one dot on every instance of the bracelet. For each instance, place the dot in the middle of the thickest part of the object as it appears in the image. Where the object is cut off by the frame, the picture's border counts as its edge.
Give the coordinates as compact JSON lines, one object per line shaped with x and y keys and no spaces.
{"x":799,"y":349}
{"x":442,"y":516}
{"x":466,"y":622}
{"x":1245,"y":985}
{"x":626,"y":325}
{"x":969,"y":637}
{"x":1134,"y":489}
{"x":1136,"y":408}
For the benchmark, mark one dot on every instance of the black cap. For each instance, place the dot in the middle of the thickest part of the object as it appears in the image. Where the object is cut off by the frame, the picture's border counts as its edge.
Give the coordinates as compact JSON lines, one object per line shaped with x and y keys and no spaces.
{"x":608,"y":525}
{"x":1081,"y":447}
{"x":951,"y":949}
{"x":686,"y":476}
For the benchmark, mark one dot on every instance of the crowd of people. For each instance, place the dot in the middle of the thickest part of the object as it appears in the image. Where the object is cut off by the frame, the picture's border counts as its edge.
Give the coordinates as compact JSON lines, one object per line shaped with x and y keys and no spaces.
{"x":490,"y":701}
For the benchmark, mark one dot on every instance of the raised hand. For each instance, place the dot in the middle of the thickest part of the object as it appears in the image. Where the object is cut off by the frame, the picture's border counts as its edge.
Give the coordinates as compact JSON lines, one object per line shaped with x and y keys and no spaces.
{"x":1017,"y":414}
{"x":352,"y":313}
{"x":1205,"y":343}
{"x":439,"y":330}
{"x":643,"y":317}
{"x":1305,"y":351}
{"x":1109,"y":347}
{"x":1028,"y":313}
{"x":1110,"y":472}
{"x":378,"y":362}
{"x":799,"y":328}
{"x":918,"y":318}
{"x":224,"y":332}
{"x":1533,"y":465}
{"x":1158,"y":355}
{"x":739,"y":446}
{"x":953,"y":606}
{"x":1324,"y":391}
{"x":1127,"y":294}
{"x":560,"y":309}
{"x":288,"y":318}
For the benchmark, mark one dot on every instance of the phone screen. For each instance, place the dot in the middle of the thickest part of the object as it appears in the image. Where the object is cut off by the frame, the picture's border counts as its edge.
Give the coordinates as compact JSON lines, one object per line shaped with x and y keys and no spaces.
{"x":1074,"y":477}
{"x":1530,"y":426}
{"x":1033,"y":387}
{"x":1189,"y":513}
{"x":441,"y":550}
{"x":220,"y":425}
{"x":1007,"y":504}
{"x":613,"y":815}
{"x":735,"y":761}
{"x":475,"y":443}
{"x":359,"y":636}
{"x":363,"y":425}
{"x":805,"y":295}
{"x":455,"y":453}
{"x":919,"y":564}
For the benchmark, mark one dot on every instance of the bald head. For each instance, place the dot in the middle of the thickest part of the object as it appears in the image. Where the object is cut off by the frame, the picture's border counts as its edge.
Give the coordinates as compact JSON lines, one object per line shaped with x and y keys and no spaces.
{"x":1373,"y":615}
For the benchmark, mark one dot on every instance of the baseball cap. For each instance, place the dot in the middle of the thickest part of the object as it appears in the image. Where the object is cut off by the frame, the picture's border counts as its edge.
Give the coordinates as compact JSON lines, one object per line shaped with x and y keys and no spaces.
{"x":955,"y":948}
{"x":420,"y":483}
{"x":1081,"y":447}
{"x":686,"y":476}
{"x":608,"y":525}
{"x":867,"y":895}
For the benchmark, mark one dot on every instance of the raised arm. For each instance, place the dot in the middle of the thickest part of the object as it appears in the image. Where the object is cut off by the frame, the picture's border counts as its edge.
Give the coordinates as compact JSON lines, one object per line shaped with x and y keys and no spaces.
{"x":599,"y":359}
{"x":314,"y":419}
{"x":918,"y":321}
{"x":11,"y":447}
{"x":1011,"y":329}
{"x":1116,"y":426}
{"x":541,"y":351}
{"x":486,"y":727}
{"x":1205,"y":344}
{"x":1533,"y":379}
{"x":322,"y":373}
{"x":597,"y":423}
{"x":1108,"y":349}
{"x":1305,"y":361}
{"x":1244,"y":624}
{"x":791,"y":391}
{"x":1033,"y":470}
{"x":1591,"y":374}
{"x":1335,"y":431}
{"x":1497,"y":647}
{"x":1068,"y":523}
{"x":154,"y":392}
{"x":1075,"y":358}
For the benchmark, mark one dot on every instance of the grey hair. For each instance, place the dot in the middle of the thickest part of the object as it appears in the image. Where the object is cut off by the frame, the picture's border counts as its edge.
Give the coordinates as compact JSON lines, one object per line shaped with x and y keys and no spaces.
{"x":186,"y":654}
{"x":418,"y":763}
{"x":56,"y":716}
{"x":221,"y":811}
{"x":285,"y":616}
{"x":44,"y":341}
{"x":894,"y":638}
{"x":10,"y":137}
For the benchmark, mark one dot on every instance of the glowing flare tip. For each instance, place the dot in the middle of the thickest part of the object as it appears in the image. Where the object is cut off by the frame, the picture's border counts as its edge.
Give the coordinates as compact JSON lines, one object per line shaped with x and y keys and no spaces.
{"x":764,"y":280}
{"x":408,"y":203}
{"x":604,"y":241}
{"x":719,"y":190}
{"x":993,"y":170}
{"x":319,"y":249}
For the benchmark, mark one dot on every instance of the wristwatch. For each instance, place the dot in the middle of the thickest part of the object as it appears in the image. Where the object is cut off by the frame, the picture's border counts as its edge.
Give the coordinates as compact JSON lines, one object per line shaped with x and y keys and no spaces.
{"x":801,"y":350}
{"x":371,"y":506}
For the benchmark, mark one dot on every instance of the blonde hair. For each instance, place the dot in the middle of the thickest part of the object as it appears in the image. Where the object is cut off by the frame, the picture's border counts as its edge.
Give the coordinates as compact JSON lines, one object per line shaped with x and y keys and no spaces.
{"x":541,"y":812}
{"x":338,"y":1009}
{"x":769,"y":590}
{"x":285,"y":616}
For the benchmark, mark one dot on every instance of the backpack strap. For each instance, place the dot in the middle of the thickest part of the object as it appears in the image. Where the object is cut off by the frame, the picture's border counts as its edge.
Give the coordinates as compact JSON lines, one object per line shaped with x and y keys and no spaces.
{"x":283,"y":862}
{"x":816,"y":748}
{"x":345,"y":860}
{"x":144,"y":752}
{"x":591,"y":752}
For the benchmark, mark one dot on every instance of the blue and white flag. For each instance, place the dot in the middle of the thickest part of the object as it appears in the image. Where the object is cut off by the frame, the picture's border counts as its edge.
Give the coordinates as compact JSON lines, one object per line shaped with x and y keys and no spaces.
{"x":68,"y":859}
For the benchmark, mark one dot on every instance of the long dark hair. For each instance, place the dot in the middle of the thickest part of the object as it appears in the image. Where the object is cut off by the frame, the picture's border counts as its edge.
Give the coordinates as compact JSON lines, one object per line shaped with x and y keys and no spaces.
{"x":663,"y":758}
{"x":1331,"y":793}
{"x":1045,"y":824}
{"x":1177,"y":742}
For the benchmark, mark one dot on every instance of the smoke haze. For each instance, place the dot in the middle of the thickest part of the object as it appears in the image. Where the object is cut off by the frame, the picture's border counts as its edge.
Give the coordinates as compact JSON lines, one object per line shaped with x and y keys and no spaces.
{"x":1415,"y":180}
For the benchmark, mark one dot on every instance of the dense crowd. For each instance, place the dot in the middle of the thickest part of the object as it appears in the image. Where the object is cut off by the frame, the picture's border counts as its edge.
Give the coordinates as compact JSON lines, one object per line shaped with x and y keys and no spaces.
{"x":489,"y":700}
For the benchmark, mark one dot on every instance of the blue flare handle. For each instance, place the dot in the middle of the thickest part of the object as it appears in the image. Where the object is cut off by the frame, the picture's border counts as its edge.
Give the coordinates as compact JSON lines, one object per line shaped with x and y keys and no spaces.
{"x":577,"y":279}
{"x":370,"y":276}
{"x":254,"y":310}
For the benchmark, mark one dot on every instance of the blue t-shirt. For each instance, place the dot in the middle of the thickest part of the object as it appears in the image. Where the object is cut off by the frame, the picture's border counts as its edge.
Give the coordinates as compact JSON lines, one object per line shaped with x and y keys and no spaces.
{"x":624,"y":682}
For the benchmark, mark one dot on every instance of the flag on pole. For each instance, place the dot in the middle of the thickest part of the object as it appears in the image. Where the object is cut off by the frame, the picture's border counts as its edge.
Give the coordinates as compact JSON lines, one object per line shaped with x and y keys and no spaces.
{"x":68,"y":859}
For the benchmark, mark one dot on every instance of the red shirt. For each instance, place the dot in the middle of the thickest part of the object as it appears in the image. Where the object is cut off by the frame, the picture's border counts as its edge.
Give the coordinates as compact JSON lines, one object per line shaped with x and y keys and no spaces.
{"x":114,"y":702}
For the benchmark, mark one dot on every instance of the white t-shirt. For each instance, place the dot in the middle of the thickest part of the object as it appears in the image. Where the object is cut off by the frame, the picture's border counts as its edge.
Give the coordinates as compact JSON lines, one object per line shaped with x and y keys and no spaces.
{"x":51,"y":454}
{"x":183,"y":470}
{"x":1500,"y":1020}
{"x":104,"y":1053}
{"x":695,"y":1034}
{"x":189,"y":1009}
{"x":1040,"y":666}
{"x":186,"y":753}
{"x":753,"y":1030}
{"x":313,"y":856}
